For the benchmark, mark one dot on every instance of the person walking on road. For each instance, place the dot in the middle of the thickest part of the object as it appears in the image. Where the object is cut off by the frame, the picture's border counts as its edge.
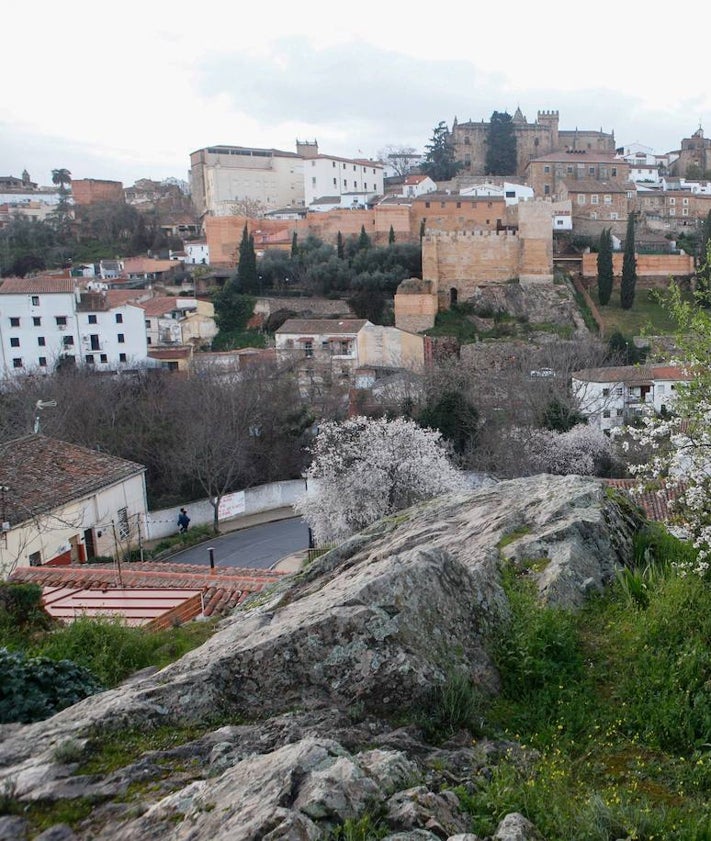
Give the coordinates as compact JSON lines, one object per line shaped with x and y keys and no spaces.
{"x":183,"y":521}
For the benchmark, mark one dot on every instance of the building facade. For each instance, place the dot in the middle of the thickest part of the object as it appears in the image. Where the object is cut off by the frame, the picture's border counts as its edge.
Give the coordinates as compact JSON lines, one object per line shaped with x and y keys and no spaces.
{"x":45,"y":322}
{"x":61,"y":503}
{"x":326,"y":175}
{"x":470,"y":141}
{"x":221,"y":176}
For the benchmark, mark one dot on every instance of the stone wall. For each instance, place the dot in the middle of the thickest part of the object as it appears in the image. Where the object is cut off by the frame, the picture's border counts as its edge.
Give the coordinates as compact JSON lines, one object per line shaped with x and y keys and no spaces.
{"x":648,"y":265}
{"x":415,"y":305}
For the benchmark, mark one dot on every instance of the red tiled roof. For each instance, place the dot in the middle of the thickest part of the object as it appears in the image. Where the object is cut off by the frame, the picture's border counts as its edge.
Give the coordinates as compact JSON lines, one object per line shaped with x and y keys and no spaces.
{"x":654,"y":502}
{"x":42,"y":285}
{"x":180,"y":352}
{"x":322,"y":326}
{"x":159,"y":305}
{"x":223,"y":587}
{"x":42,"y":473}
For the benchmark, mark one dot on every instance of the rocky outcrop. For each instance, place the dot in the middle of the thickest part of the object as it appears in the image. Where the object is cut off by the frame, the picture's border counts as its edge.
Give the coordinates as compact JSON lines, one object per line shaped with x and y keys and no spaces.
{"x":304,"y":682}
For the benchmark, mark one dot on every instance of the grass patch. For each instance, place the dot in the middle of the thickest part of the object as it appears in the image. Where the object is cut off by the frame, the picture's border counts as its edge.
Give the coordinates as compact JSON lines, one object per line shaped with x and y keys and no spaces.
{"x":108,"y":751}
{"x":454,"y":322}
{"x":176,"y":542}
{"x":512,"y":536}
{"x":612,"y":708}
{"x":647,"y":315}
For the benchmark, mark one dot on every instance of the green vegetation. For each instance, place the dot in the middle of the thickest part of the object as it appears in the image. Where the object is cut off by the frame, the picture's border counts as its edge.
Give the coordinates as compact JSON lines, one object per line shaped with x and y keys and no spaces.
{"x":455,"y":705}
{"x":605,"y":270}
{"x":647,"y":316}
{"x":501,"y":158}
{"x":45,"y":666}
{"x":439,"y":162}
{"x":611,"y":708}
{"x":366,"y":828}
{"x":629,"y":268}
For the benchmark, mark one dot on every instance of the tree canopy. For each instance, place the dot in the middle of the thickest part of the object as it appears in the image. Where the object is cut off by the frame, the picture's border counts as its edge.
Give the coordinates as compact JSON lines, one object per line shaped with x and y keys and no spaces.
{"x":605,"y":271}
{"x":440,"y":163}
{"x":365,"y":469}
{"x":501,"y":156}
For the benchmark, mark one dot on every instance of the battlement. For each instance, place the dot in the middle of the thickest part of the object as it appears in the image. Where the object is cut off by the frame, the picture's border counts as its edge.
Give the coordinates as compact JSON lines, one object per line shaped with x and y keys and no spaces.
{"x":549,"y":115}
{"x":458,"y":236}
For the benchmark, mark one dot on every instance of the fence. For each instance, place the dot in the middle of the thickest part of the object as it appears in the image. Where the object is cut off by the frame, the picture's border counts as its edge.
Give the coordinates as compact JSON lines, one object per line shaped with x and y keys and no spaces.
{"x":234,"y":506}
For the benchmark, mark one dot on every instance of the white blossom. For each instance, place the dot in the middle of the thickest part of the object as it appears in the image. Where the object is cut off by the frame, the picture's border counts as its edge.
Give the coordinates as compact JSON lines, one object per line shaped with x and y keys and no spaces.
{"x":364,"y":469}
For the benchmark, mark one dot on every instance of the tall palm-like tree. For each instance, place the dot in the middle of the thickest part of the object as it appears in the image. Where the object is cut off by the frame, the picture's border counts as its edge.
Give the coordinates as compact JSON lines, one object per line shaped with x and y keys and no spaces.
{"x":60,"y":177}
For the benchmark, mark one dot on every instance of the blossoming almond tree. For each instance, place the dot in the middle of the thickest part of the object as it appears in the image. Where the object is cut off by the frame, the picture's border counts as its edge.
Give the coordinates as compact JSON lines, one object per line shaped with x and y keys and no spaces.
{"x":679,"y":442}
{"x":365,"y":469}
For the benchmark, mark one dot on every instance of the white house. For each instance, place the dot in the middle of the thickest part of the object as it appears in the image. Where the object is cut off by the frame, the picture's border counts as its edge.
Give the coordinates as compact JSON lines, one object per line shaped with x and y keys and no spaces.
{"x":178,"y":321}
{"x":326,"y":175}
{"x":197,"y":252}
{"x":417,"y":185}
{"x":610,"y":397}
{"x":46,"y":320}
{"x":61,"y":503}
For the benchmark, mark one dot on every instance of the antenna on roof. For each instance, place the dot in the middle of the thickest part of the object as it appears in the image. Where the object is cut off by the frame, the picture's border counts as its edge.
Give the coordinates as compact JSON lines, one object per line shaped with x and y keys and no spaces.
{"x":39,"y":405}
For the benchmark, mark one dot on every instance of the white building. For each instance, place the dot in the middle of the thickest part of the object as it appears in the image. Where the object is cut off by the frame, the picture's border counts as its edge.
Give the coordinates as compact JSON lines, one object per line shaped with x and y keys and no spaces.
{"x":178,"y":321}
{"x":417,"y":185}
{"x":61,"y":503}
{"x":223,"y":175}
{"x":197,"y":253}
{"x":326,"y":175}
{"x":610,"y":397}
{"x":46,"y":320}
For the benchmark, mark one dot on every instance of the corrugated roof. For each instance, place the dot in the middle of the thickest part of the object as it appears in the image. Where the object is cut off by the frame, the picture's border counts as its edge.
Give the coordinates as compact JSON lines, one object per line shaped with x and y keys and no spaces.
{"x":43,"y":473}
{"x":223,"y":587}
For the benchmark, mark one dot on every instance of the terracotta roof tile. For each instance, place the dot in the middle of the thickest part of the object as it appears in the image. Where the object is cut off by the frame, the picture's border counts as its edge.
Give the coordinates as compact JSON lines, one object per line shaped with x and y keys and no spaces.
{"x":654,"y":502}
{"x":36,"y":285}
{"x":222,"y":587}
{"x":43,"y":473}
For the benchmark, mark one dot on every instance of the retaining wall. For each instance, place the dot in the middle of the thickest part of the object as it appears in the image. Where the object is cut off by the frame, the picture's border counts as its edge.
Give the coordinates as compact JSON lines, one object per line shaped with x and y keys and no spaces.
{"x":233,"y":507}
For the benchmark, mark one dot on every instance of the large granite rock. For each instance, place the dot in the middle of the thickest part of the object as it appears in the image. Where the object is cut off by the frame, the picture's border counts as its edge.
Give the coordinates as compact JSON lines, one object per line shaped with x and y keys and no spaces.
{"x":363,"y":635}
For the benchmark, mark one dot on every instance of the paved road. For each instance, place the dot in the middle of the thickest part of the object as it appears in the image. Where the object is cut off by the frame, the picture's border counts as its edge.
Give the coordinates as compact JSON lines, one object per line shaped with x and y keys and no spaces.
{"x":258,"y":547}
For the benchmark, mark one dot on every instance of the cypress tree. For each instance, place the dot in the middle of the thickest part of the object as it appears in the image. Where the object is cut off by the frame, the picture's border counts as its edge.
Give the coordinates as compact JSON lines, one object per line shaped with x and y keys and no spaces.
{"x":629,"y":268}
{"x":363,"y":239}
{"x":391,"y":236}
{"x":605,"y":272}
{"x":294,"y":245}
{"x":247,"y":279}
{"x":339,"y":246}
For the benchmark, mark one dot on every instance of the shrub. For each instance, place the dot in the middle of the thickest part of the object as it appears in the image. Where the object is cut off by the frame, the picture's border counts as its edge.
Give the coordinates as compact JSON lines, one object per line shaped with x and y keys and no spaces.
{"x":20,"y":602}
{"x":34,"y":688}
{"x":454,"y":705}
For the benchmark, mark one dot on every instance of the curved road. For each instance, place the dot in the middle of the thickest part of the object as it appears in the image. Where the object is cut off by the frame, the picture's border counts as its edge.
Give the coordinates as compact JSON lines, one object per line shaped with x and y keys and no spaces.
{"x":258,"y":547}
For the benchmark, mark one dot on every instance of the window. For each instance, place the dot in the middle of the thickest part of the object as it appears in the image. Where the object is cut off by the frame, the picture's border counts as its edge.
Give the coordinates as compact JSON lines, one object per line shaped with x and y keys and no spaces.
{"x":35,"y":300}
{"x":313,"y":181}
{"x":14,"y":322}
{"x":685,"y":211}
{"x":42,"y":361}
{"x":148,"y":322}
{"x":685,"y":201}
{"x":606,"y":392}
{"x":672,"y":212}
{"x":608,"y":199}
{"x":67,"y":341}
{"x":459,"y":204}
{"x":606,"y":413}
{"x":89,"y":359}
{"x":355,"y":184}
{"x":570,"y":170}
{"x":614,"y":216}
{"x":17,"y":363}
{"x":427,"y":204}
{"x":308,"y":349}
{"x":104,"y":358}
{"x":581,"y":198}
{"x":123,"y":527}
{"x":36,"y":321}
{"x":35,"y":559}
{"x":333,"y":164}
{"x":41,"y":341}
{"x":613,"y":172}
{"x":591,"y":170}
{"x":61,"y":320}
{"x":546,"y":169}
{"x":122,"y":357}
{"x":92,"y":319}
{"x":335,"y":182}
{"x":672,"y":201}
{"x":120,"y":338}
{"x":660,"y":389}
{"x":593,"y":215}
{"x":94,"y":339}
{"x":345,"y":183}
{"x":149,"y":341}
{"x":618,"y":412}
{"x":546,"y":190}
{"x":594,"y":198}
{"x":14,"y":342}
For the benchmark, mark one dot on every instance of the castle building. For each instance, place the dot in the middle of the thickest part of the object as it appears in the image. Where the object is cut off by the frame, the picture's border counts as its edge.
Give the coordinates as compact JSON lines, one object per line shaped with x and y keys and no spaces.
{"x":533,"y":140}
{"x":695,"y":152}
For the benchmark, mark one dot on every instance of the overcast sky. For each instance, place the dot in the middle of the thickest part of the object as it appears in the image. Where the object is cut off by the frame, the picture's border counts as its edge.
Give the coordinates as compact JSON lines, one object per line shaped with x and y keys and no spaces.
{"x":126,"y":91}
